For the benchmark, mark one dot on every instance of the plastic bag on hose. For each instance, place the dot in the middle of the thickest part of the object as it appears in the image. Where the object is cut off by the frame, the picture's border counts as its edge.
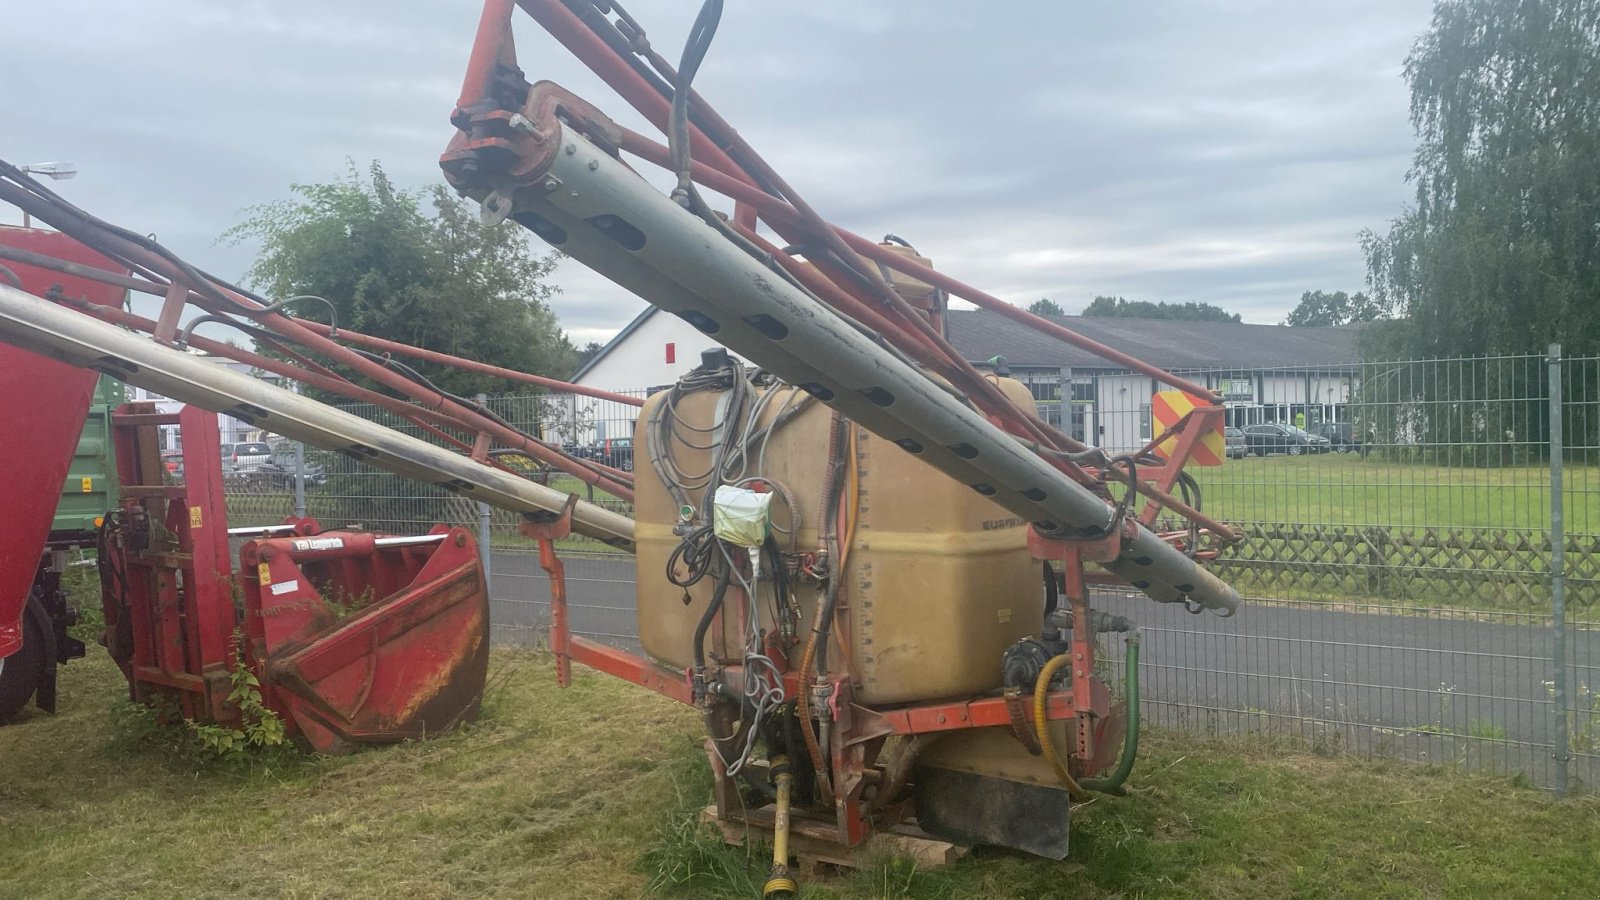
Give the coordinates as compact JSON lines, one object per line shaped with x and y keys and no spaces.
{"x":741,"y":516}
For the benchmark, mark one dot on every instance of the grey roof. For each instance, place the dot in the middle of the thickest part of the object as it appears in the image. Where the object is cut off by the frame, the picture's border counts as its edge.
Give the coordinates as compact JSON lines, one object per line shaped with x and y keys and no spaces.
{"x":981,"y":335}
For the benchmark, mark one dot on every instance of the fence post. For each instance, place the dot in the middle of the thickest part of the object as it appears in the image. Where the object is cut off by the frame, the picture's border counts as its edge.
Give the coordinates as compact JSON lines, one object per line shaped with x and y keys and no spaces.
{"x":299,"y":480}
{"x":1558,"y":576}
{"x":485,"y":530}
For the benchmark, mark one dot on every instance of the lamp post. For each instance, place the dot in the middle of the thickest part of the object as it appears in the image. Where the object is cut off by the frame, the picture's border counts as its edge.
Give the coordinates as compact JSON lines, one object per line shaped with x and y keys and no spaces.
{"x":59,"y":171}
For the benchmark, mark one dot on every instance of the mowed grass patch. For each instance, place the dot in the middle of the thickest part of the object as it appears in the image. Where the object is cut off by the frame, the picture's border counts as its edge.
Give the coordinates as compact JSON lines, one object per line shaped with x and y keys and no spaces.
{"x":1348,"y":489}
{"x":591,"y":792}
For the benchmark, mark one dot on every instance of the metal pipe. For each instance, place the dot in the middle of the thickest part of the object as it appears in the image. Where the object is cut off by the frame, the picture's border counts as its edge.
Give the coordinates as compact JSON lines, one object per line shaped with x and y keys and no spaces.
{"x":43,"y":327}
{"x":252,"y":530}
{"x":1558,"y":576}
{"x":412,"y":540}
{"x":345,"y":334}
{"x":299,"y":480}
{"x":612,"y":220}
{"x":425,"y":419}
{"x":567,"y":28}
{"x":777,"y":210}
{"x":218,"y":298}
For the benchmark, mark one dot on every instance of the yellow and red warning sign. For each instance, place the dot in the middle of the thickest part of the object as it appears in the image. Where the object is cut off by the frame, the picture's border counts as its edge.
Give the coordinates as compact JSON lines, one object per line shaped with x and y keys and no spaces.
{"x":1167,"y":408}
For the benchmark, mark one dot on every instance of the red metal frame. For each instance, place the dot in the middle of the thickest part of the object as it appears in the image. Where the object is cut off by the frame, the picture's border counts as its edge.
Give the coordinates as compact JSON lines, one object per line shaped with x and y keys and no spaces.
{"x":182,"y":285}
{"x":495,"y":150}
{"x":569,"y":648}
{"x":855,"y":732}
{"x":491,"y":152}
{"x":174,"y":559}
{"x":358,"y":638}
{"x":407,"y":659}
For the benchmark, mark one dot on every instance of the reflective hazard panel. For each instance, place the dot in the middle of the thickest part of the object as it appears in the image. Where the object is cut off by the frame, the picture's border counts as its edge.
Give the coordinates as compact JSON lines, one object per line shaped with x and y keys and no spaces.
{"x":1166,"y":408}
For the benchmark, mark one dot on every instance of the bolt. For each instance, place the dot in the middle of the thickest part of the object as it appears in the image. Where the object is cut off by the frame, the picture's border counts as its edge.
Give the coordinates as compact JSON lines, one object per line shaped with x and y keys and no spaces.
{"x":594,"y":164}
{"x":461,"y":540}
{"x":267,"y":553}
{"x":941,"y":718}
{"x":551,"y":184}
{"x":522,"y":123}
{"x":571,"y":149}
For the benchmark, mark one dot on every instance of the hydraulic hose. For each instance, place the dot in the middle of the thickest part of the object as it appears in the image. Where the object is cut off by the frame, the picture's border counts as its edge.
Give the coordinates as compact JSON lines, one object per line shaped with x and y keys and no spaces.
{"x":1041,"y":724}
{"x":1112,"y":784}
{"x":779,"y":883}
{"x":704,"y":624}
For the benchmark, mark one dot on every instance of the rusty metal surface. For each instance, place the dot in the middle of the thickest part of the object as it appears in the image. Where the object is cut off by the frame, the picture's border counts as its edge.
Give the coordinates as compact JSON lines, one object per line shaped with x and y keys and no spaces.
{"x":360,"y":643}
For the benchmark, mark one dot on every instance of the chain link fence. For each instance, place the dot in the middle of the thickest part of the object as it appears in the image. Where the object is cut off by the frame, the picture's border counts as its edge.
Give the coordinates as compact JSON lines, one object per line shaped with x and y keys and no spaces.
{"x":1401,"y":524}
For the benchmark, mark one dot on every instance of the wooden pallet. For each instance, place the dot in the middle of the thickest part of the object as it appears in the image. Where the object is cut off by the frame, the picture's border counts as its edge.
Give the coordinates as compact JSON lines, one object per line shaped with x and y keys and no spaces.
{"x":816,"y":848}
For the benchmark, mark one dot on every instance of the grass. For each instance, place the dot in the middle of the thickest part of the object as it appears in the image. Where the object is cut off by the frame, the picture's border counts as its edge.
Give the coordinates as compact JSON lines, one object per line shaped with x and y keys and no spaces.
{"x":1347,"y":489}
{"x":590,"y":792}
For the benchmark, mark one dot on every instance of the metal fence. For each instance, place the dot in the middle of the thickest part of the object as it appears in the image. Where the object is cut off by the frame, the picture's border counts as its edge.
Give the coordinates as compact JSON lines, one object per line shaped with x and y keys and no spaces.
{"x":1421,"y":585}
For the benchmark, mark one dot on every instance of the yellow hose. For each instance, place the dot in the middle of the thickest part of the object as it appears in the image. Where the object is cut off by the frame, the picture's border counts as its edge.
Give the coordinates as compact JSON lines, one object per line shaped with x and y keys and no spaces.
{"x":779,"y":883}
{"x":1041,"y":724}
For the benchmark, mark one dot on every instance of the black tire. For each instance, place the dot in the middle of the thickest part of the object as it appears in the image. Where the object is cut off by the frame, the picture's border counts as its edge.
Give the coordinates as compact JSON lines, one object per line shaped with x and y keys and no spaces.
{"x":20,"y":677}
{"x":1292,"y":450}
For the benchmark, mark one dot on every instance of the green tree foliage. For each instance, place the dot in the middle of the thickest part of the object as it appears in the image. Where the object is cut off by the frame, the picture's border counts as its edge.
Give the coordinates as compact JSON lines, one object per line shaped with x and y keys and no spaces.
{"x":1044,"y":306}
{"x":1501,"y":251}
{"x":589,"y":351}
{"x":1190,"y":311}
{"x":1335,"y":308}
{"x":433,"y":278}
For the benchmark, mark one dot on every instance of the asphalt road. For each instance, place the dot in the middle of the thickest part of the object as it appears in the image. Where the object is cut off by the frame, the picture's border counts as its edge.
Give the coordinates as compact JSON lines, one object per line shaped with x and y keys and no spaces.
{"x":1422,"y":686}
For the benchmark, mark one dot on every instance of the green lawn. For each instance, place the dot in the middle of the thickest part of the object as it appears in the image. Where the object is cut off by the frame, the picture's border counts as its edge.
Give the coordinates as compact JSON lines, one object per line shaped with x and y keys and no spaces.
{"x":1346,"y":489}
{"x":590,"y":792}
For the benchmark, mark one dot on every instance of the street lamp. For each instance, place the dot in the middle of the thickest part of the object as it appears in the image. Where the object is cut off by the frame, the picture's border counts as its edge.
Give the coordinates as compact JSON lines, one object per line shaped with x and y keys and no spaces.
{"x":58,"y":171}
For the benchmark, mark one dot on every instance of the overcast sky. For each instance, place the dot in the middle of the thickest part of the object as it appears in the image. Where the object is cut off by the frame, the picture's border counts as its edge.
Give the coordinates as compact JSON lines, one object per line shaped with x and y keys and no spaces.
{"x":1227,"y":151}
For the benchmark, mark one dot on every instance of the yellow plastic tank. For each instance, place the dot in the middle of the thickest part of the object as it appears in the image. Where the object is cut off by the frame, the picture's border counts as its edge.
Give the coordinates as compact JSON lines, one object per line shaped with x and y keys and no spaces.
{"x":938,"y":580}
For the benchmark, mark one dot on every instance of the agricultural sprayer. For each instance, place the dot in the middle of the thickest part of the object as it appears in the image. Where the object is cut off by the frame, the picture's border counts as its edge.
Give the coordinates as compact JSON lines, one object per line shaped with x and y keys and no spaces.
{"x":862,"y":557}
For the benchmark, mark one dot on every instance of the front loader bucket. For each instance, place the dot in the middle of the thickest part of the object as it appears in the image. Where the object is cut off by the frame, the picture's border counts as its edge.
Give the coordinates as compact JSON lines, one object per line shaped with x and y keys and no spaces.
{"x":359,"y":639}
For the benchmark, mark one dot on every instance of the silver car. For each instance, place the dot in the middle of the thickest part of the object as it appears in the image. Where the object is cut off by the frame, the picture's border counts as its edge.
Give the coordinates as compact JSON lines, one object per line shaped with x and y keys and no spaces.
{"x":1236,"y":447}
{"x":246,"y":457}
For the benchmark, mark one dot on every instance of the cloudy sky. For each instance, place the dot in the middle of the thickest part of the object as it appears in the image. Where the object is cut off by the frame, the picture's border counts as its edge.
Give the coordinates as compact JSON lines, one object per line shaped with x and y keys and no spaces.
{"x":1227,"y":151}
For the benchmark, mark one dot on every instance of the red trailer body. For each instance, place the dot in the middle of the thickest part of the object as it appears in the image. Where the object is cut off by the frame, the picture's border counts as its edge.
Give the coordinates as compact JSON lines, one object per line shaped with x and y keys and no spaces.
{"x":48,"y":400}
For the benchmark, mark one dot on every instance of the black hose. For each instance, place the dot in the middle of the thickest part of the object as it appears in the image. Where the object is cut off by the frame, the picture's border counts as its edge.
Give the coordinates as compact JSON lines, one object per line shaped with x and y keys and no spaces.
{"x":712,"y":608}
{"x":695,"y":554}
{"x":1052,"y":589}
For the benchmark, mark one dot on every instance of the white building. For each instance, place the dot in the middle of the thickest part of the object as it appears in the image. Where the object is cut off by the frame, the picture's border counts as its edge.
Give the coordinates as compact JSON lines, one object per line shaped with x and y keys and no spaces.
{"x":654,"y":350}
{"x":1265,"y":373}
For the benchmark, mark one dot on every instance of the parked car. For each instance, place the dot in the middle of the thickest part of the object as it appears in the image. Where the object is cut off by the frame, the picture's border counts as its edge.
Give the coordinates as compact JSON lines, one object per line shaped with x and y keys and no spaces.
{"x":616,"y":453}
{"x":248,"y":456}
{"x":1279,"y":438}
{"x":1341,"y":435}
{"x":1235,"y":442}
{"x":279,"y":470}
